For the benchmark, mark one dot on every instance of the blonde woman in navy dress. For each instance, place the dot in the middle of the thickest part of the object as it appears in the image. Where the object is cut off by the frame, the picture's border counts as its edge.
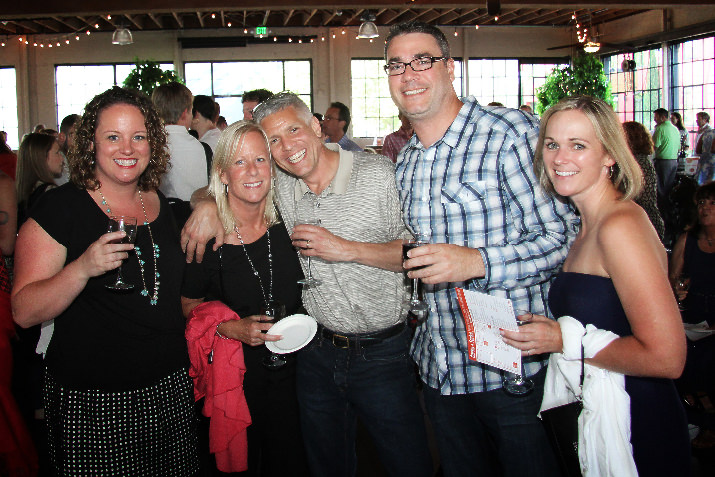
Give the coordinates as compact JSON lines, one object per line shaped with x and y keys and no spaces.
{"x":614,"y":277}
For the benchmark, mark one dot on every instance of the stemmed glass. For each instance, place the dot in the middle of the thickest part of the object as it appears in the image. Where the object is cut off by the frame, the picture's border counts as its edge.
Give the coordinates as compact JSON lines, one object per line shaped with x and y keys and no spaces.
{"x":276,"y":311}
{"x":309,"y":281}
{"x":682,"y":285}
{"x":415,"y":303}
{"x":516,"y":384}
{"x":129,"y":226}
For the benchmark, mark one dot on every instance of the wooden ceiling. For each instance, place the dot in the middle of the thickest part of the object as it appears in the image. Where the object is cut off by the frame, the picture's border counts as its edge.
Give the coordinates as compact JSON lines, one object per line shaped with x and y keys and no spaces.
{"x":36,"y":17}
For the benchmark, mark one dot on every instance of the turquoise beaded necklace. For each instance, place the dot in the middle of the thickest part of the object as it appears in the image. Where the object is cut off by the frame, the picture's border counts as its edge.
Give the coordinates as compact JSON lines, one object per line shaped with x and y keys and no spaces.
{"x":154,"y":248}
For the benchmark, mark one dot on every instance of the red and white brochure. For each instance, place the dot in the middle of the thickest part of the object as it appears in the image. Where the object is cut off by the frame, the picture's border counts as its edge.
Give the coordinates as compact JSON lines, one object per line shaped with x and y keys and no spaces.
{"x":484,"y":315}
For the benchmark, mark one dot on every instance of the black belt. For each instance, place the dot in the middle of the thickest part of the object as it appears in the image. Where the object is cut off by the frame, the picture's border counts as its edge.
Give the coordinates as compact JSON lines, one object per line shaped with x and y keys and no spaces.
{"x":360,"y":339}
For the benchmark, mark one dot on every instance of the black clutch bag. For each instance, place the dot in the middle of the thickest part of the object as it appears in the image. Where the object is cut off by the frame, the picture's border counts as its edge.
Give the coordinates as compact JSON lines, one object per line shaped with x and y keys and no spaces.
{"x":561,"y":424}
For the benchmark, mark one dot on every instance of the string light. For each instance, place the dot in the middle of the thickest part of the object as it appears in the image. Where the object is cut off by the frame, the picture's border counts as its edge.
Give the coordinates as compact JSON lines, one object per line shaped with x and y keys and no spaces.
{"x":455,"y":32}
{"x":322,"y":38}
{"x":476,"y":27}
{"x":96,"y":25}
{"x":213,"y":16}
{"x":229,"y":24}
{"x":343,"y":32}
{"x":109,"y":17}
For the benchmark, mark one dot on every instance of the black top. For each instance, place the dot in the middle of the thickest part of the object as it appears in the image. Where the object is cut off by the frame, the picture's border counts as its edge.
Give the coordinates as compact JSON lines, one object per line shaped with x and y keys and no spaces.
{"x":108,"y":340}
{"x":659,"y":431}
{"x":226,"y":275}
{"x":698,"y":266}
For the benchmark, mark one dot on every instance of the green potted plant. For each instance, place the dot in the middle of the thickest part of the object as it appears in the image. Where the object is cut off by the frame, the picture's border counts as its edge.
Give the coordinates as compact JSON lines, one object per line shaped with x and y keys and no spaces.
{"x":147,"y":75}
{"x":585,"y":76}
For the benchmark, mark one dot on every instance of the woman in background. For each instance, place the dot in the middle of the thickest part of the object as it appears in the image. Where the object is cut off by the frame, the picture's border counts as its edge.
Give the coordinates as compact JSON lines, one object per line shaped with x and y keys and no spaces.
{"x":640,"y":143}
{"x":8,"y":159}
{"x":692,"y":268}
{"x":614,"y":277}
{"x":39,"y":164}
{"x":677,"y":121}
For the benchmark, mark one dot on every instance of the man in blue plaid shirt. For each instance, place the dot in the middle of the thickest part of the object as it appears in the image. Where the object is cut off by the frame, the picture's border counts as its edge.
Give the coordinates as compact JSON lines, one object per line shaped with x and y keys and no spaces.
{"x":466,"y":181}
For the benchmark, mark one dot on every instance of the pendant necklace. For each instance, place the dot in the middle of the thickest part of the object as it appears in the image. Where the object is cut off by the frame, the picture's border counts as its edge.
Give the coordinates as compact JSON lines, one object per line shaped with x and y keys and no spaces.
{"x":269,"y":297}
{"x":154,"y":299}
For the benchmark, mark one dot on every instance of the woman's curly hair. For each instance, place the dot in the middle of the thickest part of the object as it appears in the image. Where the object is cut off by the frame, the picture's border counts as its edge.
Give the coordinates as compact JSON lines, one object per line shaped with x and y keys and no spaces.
{"x":82,"y":154}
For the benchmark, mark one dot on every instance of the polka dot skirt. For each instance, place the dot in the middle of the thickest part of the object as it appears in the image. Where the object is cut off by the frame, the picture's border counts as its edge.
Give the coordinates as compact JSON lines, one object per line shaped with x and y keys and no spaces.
{"x":145,"y":432}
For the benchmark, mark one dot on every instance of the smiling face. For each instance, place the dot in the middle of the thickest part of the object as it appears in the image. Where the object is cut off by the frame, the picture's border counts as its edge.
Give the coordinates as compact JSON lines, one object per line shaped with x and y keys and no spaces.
{"x":575,"y":160}
{"x":420,"y":95}
{"x":55,"y":159}
{"x":121,"y":144}
{"x":295,"y":144}
{"x":248,"y":175}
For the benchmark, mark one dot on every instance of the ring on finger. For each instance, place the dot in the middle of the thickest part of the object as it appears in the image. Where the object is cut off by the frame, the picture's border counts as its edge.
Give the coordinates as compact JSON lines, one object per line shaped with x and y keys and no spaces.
{"x":307,"y":243}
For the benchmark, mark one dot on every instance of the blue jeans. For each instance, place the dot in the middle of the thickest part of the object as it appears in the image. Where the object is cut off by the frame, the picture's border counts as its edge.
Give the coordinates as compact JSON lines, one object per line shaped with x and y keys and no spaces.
{"x":492,"y":433}
{"x":376,"y":383}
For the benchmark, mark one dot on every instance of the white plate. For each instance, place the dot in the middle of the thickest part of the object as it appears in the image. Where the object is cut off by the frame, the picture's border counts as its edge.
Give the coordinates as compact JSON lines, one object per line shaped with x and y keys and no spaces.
{"x":297,"y":331}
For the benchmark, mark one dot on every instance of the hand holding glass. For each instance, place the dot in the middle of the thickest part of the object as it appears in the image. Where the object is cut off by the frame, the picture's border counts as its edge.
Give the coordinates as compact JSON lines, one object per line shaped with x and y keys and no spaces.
{"x":276,"y":311}
{"x":516,"y":384}
{"x":129,"y":226}
{"x":309,"y":281}
{"x":415,"y":304}
{"x":681,"y":288}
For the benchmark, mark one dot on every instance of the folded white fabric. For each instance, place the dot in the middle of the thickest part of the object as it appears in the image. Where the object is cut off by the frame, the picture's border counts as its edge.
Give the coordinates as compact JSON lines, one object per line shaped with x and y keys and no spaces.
{"x":605,"y":423}
{"x":46,"y":331}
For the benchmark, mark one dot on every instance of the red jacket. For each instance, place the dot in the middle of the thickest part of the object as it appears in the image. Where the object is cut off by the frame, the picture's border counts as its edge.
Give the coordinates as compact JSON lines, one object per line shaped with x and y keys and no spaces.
{"x":220,"y":382}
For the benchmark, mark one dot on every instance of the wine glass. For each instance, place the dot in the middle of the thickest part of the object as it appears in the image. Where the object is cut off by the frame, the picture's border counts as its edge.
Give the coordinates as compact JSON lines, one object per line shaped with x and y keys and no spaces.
{"x":309,"y":281}
{"x":415,"y":303}
{"x":516,"y":384}
{"x":276,"y":311}
{"x":682,"y":285}
{"x":129,"y":226}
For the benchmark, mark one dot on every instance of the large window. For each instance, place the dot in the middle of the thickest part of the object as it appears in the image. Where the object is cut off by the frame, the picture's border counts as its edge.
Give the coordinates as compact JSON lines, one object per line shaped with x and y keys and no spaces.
{"x":227,"y":81}
{"x":373,"y":112}
{"x":77,"y":84}
{"x":636,"y":94}
{"x":495,"y":81}
{"x":532,"y":76}
{"x":692,"y":67}
{"x":8,"y":106}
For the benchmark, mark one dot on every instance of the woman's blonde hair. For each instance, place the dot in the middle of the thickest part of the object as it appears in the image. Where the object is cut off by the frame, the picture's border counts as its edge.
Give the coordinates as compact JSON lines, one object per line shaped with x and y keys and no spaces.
{"x":229,"y":143}
{"x":32,"y":163}
{"x":626,"y":175}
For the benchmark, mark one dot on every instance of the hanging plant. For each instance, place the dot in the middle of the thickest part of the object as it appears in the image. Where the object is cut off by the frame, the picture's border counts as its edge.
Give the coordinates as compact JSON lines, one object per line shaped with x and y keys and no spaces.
{"x":147,"y":75}
{"x":584,"y":77}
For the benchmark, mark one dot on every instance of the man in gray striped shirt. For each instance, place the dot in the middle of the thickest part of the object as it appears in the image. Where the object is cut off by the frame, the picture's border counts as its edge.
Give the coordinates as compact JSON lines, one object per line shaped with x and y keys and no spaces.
{"x":358,"y":363}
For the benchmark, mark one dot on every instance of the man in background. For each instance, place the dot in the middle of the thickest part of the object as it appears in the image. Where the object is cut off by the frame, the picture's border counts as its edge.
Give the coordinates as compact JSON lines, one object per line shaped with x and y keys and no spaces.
{"x":666,"y":139}
{"x":251,"y":99}
{"x":187,"y":158}
{"x":703,"y":147}
{"x":394,"y":142}
{"x":335,"y":126}
{"x":203,"y":120}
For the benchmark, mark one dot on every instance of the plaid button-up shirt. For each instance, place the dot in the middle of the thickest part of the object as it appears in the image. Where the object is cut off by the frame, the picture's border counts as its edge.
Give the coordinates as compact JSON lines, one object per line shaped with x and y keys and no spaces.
{"x":475,"y":187}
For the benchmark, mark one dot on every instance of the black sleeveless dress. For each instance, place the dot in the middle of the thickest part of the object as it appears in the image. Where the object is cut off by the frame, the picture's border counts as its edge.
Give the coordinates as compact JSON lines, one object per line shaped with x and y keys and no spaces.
{"x":659,"y":432}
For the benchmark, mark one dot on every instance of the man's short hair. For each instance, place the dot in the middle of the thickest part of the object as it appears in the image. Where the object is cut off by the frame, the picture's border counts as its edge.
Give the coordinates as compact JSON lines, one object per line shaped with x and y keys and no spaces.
{"x":171,"y":100}
{"x":661,"y":112}
{"x":704,"y":115}
{"x":67,"y":123}
{"x":279,"y":102}
{"x":418,"y":27}
{"x":205,"y":106}
{"x":343,"y":113}
{"x":257,"y":95}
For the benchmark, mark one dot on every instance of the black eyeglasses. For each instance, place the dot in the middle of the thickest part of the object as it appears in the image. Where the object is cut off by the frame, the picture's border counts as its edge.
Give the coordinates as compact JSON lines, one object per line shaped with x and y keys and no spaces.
{"x":395,"y":68}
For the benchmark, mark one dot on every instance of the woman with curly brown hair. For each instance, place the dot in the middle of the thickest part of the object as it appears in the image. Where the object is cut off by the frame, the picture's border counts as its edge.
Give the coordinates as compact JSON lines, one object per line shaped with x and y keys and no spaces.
{"x":118,"y":397}
{"x":640,"y":143}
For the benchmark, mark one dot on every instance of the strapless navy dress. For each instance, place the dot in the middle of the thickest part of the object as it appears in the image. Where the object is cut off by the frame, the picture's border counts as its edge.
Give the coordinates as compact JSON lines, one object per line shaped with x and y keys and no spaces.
{"x":659,"y":431}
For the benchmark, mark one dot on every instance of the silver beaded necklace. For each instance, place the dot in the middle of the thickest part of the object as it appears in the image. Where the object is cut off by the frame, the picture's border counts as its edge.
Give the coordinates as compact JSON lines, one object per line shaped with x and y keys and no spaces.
{"x":269,"y":297}
{"x":154,"y":248}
